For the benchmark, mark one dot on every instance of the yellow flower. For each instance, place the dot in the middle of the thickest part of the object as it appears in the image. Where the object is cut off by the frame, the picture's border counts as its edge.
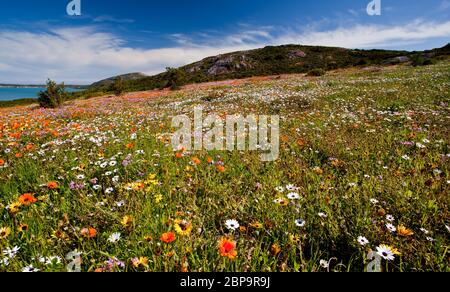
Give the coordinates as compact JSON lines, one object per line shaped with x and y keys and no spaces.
{"x":4,"y":232}
{"x":127,"y":221}
{"x":158,"y":198}
{"x":257,"y":225}
{"x":141,"y":262}
{"x":14,"y":208}
{"x":23,"y":227}
{"x":396,"y":251}
{"x":403,"y":231}
{"x":294,"y":238}
{"x":183,"y":227}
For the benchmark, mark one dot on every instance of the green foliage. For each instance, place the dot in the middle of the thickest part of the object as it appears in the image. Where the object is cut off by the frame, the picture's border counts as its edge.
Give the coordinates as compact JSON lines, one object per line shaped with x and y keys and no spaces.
{"x":118,"y":86}
{"x":175,"y":78}
{"x":53,"y":96}
{"x":17,"y":102}
{"x":316,"y":72}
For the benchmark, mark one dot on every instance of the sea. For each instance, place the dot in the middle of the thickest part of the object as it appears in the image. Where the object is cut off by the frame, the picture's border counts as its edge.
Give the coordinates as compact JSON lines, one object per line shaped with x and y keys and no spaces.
{"x":13,"y":93}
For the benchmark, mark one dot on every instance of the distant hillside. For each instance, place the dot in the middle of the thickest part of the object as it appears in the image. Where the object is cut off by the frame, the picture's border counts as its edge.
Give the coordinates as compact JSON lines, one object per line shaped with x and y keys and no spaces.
{"x":125,"y":77}
{"x":272,"y":60}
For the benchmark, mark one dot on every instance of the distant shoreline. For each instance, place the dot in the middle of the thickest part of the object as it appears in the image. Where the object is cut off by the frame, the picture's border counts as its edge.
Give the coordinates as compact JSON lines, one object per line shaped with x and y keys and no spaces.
{"x":40,"y":86}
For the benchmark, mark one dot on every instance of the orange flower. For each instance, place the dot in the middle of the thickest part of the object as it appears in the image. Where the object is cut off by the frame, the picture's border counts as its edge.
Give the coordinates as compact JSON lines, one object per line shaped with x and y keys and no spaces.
{"x":168,"y":237}
{"x":29,"y":147}
{"x":275,"y":249}
{"x":52,"y":185}
{"x":179,"y":155}
{"x":196,"y":161}
{"x":27,"y":199}
{"x":403,"y":231}
{"x":227,"y":248}
{"x":89,"y":232}
{"x":2,"y":162}
{"x":130,"y":145}
{"x":220,"y":168}
{"x":19,"y":155}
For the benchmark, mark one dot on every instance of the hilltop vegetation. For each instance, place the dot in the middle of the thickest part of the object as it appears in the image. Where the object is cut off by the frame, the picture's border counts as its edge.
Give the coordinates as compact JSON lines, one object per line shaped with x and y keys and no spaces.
{"x":364,"y":166}
{"x":273,"y":60}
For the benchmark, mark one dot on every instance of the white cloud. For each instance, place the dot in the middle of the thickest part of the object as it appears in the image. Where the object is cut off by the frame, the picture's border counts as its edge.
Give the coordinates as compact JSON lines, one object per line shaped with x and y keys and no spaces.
{"x":86,"y":54}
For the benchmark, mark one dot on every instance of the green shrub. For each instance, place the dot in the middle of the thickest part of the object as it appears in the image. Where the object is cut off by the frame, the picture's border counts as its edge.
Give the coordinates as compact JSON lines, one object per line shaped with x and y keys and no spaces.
{"x":175,"y":78}
{"x":118,"y":87}
{"x":53,"y":96}
{"x":316,"y":72}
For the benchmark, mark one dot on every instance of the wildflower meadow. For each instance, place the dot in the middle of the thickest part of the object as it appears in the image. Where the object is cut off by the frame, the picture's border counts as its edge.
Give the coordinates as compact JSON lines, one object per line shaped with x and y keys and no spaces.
{"x":361,"y":182}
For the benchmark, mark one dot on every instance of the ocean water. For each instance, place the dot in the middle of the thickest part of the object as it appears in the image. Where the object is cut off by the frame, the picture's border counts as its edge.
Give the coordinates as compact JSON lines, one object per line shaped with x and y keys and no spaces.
{"x":9,"y":93}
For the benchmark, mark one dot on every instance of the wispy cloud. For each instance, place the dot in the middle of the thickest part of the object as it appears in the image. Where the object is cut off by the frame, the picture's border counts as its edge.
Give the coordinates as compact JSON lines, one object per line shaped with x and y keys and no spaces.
{"x":109,"y":18}
{"x":86,"y":54}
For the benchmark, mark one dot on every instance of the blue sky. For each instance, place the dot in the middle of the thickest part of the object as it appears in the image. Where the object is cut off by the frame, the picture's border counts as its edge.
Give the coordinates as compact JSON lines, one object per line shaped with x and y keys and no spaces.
{"x":38,"y":40}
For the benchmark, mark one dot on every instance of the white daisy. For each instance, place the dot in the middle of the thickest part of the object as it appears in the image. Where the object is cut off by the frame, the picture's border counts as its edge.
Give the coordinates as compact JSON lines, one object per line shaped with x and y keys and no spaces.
{"x":391,"y":227}
{"x":424,"y":231}
{"x":120,"y":204}
{"x":300,"y":222}
{"x":279,"y":189}
{"x":363,"y":241}
{"x":4,"y":262}
{"x":232,"y":224}
{"x":115,"y":237}
{"x":324,"y":264}
{"x":293,"y":196}
{"x":53,"y":260}
{"x":113,"y":163}
{"x":11,"y":252}
{"x":291,"y":188}
{"x":30,"y":269}
{"x":405,"y":157}
{"x":322,"y":215}
{"x":374,"y":201}
{"x":385,"y":252}
{"x":109,"y":190}
{"x":447,"y":227}
{"x":390,"y":218}
{"x":80,"y":177}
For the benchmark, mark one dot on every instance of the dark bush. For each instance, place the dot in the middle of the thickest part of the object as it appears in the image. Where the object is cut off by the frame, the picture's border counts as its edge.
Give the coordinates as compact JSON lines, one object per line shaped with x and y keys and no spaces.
{"x":53,"y":96}
{"x":118,"y":86}
{"x":316,"y":72}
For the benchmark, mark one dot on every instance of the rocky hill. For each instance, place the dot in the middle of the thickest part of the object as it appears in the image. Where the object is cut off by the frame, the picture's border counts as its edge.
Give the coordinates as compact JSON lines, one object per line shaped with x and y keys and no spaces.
{"x":272,"y":60}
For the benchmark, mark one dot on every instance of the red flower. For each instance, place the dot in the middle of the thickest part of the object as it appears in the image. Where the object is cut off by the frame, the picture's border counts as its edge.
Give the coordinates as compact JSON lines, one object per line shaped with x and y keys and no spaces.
{"x":52,"y":185}
{"x":27,"y":199}
{"x":168,"y":237}
{"x":227,"y":248}
{"x":89,"y":232}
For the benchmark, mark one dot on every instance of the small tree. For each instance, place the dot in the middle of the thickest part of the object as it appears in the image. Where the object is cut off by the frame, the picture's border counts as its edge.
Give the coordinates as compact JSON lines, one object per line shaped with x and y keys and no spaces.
{"x":53,"y":96}
{"x":118,"y":86}
{"x":175,"y":78}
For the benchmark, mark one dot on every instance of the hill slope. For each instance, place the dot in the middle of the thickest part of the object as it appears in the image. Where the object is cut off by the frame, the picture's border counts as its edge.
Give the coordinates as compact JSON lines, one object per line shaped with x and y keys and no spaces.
{"x":270,"y":60}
